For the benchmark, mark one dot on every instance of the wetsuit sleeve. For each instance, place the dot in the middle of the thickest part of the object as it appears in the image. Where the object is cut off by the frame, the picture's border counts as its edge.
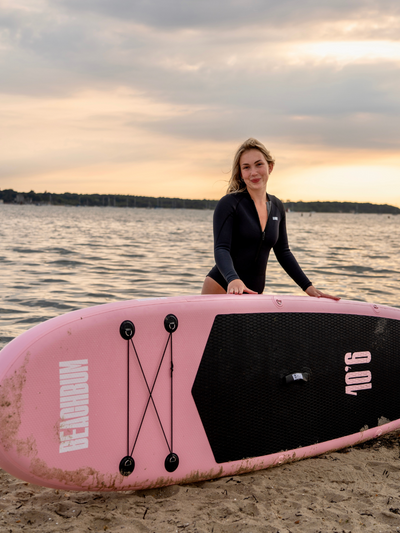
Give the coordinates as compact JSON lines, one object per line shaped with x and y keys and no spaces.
{"x":223,"y":232}
{"x":285,"y":256}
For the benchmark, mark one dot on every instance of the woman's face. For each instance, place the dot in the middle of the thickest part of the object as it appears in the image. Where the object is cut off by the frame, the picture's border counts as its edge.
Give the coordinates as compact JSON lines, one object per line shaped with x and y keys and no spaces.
{"x":255,"y":170}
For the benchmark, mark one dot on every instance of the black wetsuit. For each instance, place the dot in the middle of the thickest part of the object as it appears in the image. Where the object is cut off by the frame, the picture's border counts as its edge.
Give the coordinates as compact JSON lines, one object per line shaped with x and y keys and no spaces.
{"x":242,"y":249}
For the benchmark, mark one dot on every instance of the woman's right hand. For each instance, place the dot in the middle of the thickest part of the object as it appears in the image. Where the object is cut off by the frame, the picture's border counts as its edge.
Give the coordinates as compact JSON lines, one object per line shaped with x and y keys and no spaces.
{"x":238,"y":287}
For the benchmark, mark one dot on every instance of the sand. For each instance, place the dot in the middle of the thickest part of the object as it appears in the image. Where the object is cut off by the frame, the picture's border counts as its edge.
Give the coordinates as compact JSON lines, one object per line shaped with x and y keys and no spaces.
{"x":355,"y":490}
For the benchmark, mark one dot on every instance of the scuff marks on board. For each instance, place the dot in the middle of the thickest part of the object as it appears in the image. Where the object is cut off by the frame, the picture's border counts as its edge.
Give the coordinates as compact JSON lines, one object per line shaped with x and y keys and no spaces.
{"x":11,"y":407}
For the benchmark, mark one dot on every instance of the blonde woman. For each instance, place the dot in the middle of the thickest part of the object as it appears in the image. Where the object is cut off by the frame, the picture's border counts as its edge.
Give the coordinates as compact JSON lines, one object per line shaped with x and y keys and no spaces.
{"x":248,"y":222}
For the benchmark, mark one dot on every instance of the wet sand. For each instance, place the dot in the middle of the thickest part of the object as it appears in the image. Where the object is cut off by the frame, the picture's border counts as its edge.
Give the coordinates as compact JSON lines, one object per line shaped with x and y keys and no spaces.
{"x":355,"y":490}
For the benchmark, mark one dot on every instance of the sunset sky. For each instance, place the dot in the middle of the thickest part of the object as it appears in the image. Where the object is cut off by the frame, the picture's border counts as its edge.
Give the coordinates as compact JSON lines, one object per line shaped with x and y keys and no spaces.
{"x":152,"y":97}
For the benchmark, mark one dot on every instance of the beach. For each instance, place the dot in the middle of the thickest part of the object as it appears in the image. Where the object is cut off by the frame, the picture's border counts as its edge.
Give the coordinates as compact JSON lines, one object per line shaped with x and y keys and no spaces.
{"x":83,"y":260}
{"x":354,"y":490}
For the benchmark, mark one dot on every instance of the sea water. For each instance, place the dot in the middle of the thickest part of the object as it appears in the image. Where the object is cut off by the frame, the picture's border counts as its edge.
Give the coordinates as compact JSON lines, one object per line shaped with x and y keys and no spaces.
{"x":56,"y":259}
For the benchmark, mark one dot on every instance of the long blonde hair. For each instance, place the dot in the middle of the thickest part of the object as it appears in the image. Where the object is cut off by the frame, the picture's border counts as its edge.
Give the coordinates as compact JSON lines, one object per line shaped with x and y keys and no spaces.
{"x":236,"y":183}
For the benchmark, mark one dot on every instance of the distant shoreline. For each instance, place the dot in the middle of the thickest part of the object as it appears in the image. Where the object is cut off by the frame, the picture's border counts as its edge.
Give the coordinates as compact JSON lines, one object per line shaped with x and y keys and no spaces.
{"x":9,"y":196}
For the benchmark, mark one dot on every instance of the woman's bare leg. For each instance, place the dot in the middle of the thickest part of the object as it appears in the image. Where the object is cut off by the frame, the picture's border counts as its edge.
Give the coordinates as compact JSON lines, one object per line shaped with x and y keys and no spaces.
{"x":212,"y":287}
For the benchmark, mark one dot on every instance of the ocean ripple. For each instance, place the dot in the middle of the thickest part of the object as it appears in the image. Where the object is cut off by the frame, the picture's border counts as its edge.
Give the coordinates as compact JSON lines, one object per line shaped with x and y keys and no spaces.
{"x":57,"y":259}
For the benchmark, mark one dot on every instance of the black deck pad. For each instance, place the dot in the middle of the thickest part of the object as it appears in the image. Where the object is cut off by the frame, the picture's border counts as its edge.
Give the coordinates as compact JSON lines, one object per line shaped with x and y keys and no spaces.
{"x":247,"y":406}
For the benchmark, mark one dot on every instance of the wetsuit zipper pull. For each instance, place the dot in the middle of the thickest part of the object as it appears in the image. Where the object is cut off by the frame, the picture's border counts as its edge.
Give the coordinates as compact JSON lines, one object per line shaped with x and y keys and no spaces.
{"x":260,"y":245}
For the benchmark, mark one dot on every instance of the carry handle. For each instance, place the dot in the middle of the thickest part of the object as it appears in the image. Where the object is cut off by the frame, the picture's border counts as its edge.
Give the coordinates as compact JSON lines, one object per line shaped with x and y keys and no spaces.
{"x":296,"y":376}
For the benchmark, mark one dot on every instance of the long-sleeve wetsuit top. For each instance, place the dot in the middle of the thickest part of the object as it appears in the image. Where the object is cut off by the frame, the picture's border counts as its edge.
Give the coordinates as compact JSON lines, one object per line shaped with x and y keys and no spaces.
{"x":241,"y":247}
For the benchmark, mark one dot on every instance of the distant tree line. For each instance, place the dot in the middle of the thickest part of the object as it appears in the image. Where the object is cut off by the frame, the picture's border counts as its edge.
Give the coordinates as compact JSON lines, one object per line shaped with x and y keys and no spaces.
{"x":9,"y":196}
{"x":341,"y":207}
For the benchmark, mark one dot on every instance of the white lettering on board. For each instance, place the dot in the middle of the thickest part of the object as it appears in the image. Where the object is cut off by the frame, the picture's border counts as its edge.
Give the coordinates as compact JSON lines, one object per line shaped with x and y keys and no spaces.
{"x":74,"y":405}
{"x":360,"y":380}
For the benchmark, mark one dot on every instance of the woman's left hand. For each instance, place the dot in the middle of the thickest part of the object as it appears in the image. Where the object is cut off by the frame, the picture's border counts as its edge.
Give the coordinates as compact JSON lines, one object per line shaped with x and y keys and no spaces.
{"x":315,"y":293}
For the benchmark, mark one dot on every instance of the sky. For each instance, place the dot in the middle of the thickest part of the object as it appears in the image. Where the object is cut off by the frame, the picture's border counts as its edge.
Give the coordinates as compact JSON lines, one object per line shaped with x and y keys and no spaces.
{"x":153,"y":97}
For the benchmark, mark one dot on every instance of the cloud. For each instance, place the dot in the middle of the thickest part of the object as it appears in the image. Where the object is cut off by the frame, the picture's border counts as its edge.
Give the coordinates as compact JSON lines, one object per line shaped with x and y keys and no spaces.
{"x":314,"y":74}
{"x":358,"y":130}
{"x":204,"y":69}
{"x":176,"y":14}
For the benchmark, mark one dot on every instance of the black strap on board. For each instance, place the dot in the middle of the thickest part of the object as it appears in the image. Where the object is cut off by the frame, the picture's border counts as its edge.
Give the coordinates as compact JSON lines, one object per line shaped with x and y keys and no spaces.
{"x":127,"y":331}
{"x":296,"y":377}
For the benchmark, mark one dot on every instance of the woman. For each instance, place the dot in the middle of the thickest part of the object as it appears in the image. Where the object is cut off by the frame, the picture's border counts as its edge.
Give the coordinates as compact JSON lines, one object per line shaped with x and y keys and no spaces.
{"x":248,"y":222}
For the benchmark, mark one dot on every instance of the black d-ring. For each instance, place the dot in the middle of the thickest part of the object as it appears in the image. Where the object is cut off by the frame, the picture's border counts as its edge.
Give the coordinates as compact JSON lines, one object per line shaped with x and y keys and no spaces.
{"x":127,"y":330}
{"x":171,"y":323}
{"x":171,"y":462}
{"x":126,"y":466}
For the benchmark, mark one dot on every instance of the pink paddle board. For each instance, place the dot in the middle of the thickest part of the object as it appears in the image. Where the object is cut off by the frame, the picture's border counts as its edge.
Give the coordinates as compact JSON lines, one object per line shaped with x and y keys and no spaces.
{"x":148,"y":393}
